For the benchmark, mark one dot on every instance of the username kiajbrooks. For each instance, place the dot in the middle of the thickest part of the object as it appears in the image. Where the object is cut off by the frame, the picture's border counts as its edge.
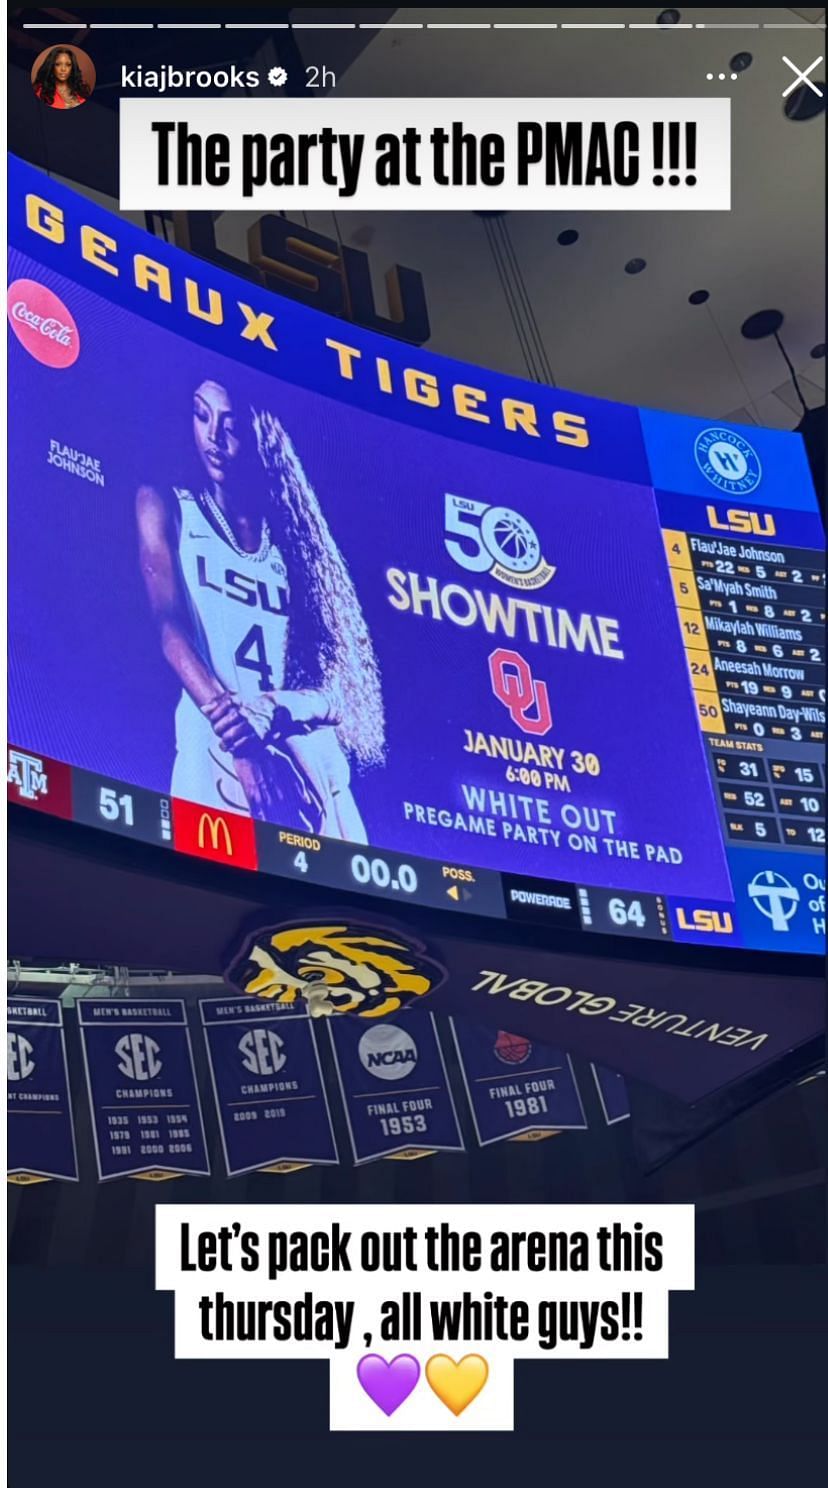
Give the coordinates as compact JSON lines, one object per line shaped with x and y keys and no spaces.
{"x":160,"y":79}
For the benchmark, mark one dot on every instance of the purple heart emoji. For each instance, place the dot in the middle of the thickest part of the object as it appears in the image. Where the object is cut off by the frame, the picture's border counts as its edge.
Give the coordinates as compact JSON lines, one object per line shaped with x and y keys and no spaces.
{"x":388,"y":1385}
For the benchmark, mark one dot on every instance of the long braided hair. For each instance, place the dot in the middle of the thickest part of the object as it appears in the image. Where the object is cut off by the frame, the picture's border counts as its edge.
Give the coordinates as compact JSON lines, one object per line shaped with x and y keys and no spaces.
{"x":330,"y":645}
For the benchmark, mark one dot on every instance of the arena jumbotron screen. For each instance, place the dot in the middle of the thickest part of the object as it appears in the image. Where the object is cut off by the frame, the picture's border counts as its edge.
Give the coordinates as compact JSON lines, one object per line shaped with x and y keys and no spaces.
{"x":290,"y":595}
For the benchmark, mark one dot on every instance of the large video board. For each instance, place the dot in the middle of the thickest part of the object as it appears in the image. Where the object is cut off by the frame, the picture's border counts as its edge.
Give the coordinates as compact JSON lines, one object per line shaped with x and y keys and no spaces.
{"x":291,"y":595}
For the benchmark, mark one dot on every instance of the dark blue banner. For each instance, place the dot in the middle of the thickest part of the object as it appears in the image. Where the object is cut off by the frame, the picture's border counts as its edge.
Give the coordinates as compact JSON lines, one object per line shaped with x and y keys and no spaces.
{"x":517,"y":1089}
{"x":267,"y":1081}
{"x":41,"y":1135}
{"x":143,"y":1096}
{"x":612,"y":1093}
{"x":394,"y":1087}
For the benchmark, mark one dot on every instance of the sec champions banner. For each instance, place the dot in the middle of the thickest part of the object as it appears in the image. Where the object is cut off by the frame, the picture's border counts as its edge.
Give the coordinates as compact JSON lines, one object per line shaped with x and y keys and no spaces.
{"x":41,"y":1134}
{"x":267,"y":1080}
{"x":143,"y":1096}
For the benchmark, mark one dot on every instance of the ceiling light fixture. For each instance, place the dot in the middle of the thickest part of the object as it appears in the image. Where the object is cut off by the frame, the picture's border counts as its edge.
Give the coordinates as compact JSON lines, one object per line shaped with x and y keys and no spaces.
{"x":764,"y":324}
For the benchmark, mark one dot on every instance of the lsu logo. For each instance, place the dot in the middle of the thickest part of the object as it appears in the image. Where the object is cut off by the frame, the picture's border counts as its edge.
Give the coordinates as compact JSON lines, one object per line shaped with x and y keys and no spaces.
{"x":705,"y":921}
{"x":759,"y":524}
{"x":336,"y":968}
{"x":728,"y":461}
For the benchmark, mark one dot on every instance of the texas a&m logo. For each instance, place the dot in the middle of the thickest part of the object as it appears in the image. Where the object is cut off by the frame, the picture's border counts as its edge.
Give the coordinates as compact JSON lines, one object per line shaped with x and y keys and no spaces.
{"x":40,"y":783}
{"x":26,"y":773}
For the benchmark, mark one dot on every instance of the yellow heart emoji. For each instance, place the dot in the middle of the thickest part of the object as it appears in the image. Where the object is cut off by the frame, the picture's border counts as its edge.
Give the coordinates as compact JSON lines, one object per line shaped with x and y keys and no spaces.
{"x":456,"y":1384}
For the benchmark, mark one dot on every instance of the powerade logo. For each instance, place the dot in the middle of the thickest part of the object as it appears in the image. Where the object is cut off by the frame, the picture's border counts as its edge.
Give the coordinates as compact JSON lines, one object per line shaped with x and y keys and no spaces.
{"x":727,"y":461}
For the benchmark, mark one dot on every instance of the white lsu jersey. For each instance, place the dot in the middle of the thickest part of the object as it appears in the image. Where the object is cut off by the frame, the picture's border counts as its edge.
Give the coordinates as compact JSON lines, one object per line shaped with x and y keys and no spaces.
{"x":239,"y":608}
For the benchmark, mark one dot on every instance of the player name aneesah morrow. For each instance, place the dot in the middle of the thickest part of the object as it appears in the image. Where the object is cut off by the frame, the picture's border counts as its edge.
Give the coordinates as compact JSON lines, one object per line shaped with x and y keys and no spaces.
{"x":152,"y":276}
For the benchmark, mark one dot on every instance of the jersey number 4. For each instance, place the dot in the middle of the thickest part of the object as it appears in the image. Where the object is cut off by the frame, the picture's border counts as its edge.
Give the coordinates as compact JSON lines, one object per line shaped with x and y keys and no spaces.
{"x":251,"y":654}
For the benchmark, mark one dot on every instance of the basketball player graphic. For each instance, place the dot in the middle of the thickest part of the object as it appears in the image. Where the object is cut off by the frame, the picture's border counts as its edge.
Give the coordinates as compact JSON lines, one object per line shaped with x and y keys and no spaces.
{"x":259,"y":619}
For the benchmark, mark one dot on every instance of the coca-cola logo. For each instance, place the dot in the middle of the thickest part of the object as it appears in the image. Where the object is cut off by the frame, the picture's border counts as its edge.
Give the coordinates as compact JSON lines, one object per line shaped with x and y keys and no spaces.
{"x":42,"y":323}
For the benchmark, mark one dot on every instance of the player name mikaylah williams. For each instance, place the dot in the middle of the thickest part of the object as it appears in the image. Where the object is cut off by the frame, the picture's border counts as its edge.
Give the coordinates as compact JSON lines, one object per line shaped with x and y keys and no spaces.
{"x":212,"y":307}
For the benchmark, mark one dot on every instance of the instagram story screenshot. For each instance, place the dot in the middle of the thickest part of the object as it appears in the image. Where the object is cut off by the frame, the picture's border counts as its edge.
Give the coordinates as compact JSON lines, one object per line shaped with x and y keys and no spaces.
{"x":415,"y":734}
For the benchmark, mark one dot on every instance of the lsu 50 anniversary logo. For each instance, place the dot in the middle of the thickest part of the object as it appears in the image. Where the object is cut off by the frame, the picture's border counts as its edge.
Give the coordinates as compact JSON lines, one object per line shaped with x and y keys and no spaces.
{"x":336,"y":968}
{"x":495,"y":540}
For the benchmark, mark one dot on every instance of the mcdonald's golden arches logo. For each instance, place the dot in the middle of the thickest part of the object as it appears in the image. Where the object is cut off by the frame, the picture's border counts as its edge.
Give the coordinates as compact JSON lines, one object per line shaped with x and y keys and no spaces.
{"x":220,"y":836}
{"x":217,"y":827}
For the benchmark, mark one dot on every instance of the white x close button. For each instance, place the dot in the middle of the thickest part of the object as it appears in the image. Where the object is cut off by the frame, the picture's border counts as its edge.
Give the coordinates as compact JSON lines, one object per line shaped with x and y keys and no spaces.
{"x":802,"y":77}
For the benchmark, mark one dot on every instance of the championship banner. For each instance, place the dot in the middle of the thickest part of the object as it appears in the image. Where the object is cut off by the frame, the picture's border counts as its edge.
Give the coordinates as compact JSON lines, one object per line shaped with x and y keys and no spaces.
{"x":394,"y":1087}
{"x":612,"y":1093}
{"x":143,"y":1096}
{"x":41,"y":1135}
{"x":270,"y":1095}
{"x":518,"y":1091}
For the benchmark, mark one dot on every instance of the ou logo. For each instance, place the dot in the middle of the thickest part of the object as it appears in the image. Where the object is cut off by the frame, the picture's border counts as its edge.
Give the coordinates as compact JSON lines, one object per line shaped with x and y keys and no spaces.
{"x":20,"y":1061}
{"x":262,"y":1051}
{"x":526,"y":698}
{"x":138,"y":1056}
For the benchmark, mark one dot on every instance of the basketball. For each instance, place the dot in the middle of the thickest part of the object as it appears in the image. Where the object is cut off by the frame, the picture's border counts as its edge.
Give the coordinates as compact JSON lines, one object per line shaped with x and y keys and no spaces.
{"x":511,"y":1048}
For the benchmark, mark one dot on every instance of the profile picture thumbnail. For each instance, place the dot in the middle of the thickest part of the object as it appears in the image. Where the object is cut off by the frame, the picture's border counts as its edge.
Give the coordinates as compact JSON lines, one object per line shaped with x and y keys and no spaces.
{"x":63,"y":77}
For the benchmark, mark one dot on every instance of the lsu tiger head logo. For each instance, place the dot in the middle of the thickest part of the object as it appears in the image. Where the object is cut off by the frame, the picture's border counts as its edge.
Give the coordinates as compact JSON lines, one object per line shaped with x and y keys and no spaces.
{"x":336,"y":969}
